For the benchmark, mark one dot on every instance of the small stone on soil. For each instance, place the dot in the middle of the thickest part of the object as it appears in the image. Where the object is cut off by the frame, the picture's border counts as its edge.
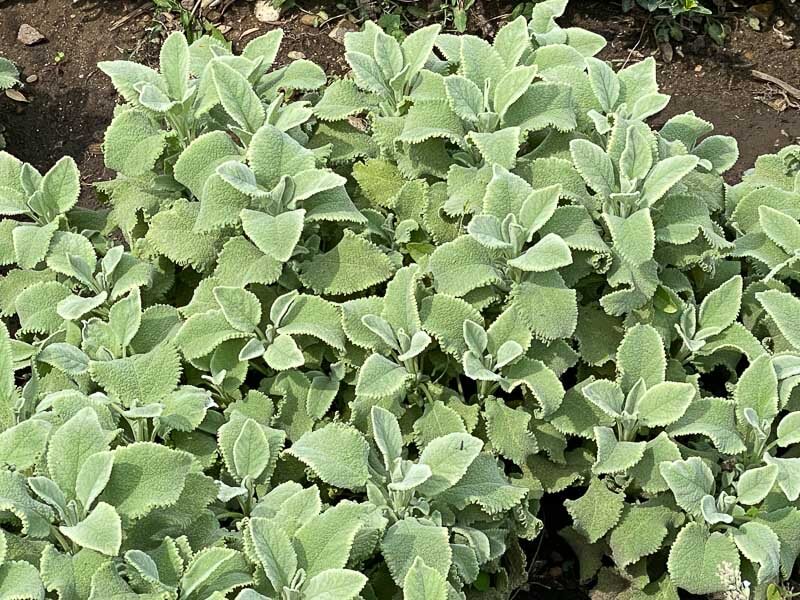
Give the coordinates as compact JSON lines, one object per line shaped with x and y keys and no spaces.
{"x":310,"y":20}
{"x":16,"y":95}
{"x":342,"y":27}
{"x":29,"y":36}
{"x":266,"y":13}
{"x":295,"y":55}
{"x":31,"y":79}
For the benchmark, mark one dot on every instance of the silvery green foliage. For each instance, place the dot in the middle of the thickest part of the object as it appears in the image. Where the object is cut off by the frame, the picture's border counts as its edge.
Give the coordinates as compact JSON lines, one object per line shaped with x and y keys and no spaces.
{"x":9,"y":77}
{"x":353,"y":338}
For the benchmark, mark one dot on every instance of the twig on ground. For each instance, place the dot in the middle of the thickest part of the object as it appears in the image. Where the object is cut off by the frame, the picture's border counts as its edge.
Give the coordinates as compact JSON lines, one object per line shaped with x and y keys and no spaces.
{"x":789,"y":89}
{"x":134,"y":13}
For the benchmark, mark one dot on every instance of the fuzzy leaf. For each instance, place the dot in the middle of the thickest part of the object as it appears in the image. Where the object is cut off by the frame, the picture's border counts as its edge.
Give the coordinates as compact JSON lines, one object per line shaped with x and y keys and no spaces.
{"x":379,"y":377}
{"x":784,"y":309}
{"x":355,"y":264}
{"x":337,"y":454}
{"x":448,"y":457}
{"x":424,"y":583}
{"x":101,"y":530}
{"x":597,"y":511}
{"x":696,"y":556}
{"x":614,"y":456}
{"x":145,"y":476}
{"x":689,"y":480}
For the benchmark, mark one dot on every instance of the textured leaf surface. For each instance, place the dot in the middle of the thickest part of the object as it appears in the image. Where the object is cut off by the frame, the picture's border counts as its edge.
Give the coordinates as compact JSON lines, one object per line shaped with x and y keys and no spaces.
{"x":355,"y":264}
{"x":337,"y":454}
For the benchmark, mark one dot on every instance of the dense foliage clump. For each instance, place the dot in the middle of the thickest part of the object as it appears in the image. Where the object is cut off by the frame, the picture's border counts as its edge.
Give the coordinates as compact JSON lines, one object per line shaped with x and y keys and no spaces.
{"x":338,"y":341}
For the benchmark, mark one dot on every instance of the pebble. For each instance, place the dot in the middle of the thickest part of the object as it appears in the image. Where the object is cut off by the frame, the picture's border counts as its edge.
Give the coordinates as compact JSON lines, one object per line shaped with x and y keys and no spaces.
{"x":266,"y":13}
{"x":16,"y":95}
{"x":698,"y":68}
{"x":342,"y":27}
{"x":31,"y":79}
{"x":29,"y":36}
{"x":295,"y":55}
{"x":310,"y":20}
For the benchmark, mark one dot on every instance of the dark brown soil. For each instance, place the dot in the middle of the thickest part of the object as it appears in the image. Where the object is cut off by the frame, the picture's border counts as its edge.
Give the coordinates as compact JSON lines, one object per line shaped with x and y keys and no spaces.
{"x":72,"y":102}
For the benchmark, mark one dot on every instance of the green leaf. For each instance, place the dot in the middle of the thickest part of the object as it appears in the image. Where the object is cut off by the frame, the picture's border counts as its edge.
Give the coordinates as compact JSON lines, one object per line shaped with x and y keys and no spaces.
{"x":784,"y":309}
{"x":145,"y":378}
{"x":507,"y":430}
{"x":448,"y":457}
{"x":640,"y":533}
{"x":21,"y":581}
{"x":337,"y":454}
{"x":443,"y":317}
{"x":335,"y":584}
{"x":614,"y":456}
{"x":146,"y":476}
{"x":789,"y":430}
{"x":275,"y":236}
{"x":548,"y":254}
{"x":424,"y":583}
{"x":665,"y":403}
{"x":311,"y":315}
{"x":273,"y":154}
{"x":758,"y":389}
{"x":61,"y":186}
{"x":720,"y":308}
{"x":634,"y":237}
{"x":101,"y":530}
{"x":237,"y":96}
{"x":410,"y":539}
{"x":65,"y":357}
{"x":761,"y":545}
{"x":780,"y":227}
{"x":605,"y":84}
{"x":465,"y":97}
{"x":202,"y":157}
{"x":689,"y":480}
{"x":379,"y":377}
{"x":251,"y":451}
{"x":203,"y":332}
{"x":342,"y":99}
{"x":326,"y":541}
{"x":93,"y":476}
{"x":174,"y":61}
{"x":284,"y":353}
{"x":71,"y":445}
{"x":241,"y":308}
{"x":595,"y":167}
{"x":665,"y":175}
{"x":463,"y":265}
{"x":713,"y":418}
{"x":36,"y":307}
{"x":172,"y":233}
{"x":274,"y":551}
{"x":387,"y":435}
{"x":696,"y":557}
{"x":754,"y":484}
{"x":546,"y":305}
{"x":355,"y":264}
{"x":637,"y":158}
{"x":542,"y":382}
{"x":22,"y":445}
{"x":596,"y":512}
{"x":641,"y":356}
